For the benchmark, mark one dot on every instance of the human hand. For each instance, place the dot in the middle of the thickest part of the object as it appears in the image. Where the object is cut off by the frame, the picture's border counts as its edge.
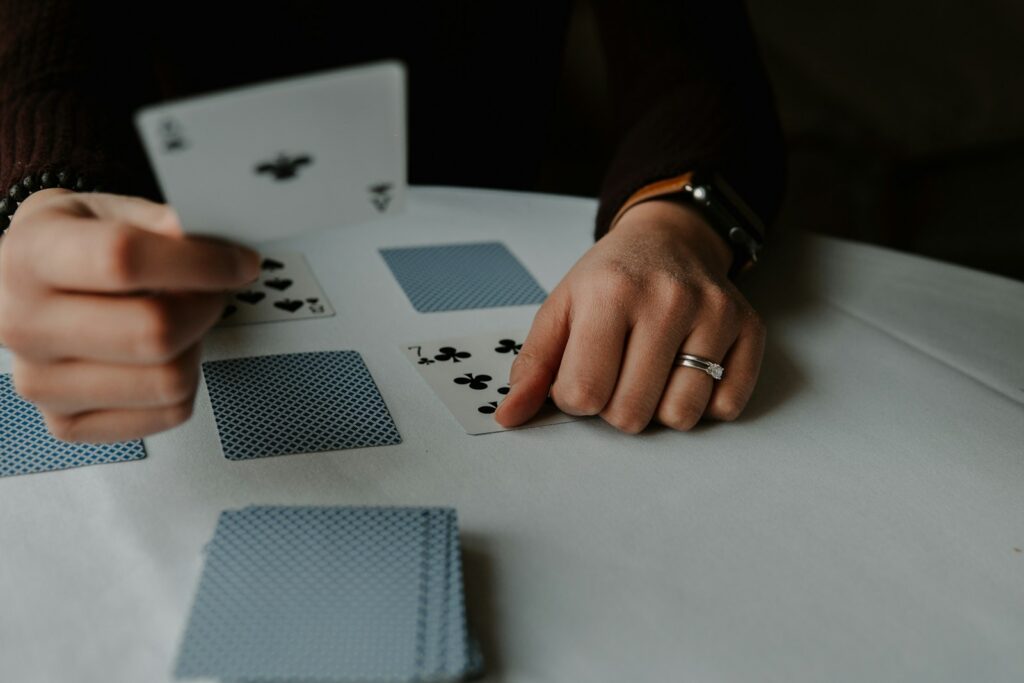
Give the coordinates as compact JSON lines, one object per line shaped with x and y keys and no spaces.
{"x":605,"y":340}
{"x":104,"y":301}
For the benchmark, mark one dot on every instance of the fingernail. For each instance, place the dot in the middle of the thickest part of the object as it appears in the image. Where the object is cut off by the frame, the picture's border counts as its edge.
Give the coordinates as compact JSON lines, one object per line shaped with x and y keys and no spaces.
{"x":248,"y":264}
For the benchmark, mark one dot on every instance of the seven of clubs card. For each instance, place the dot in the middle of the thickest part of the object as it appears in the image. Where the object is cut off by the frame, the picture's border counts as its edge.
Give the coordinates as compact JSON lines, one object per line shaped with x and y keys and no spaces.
{"x":470,"y":376}
{"x":273,"y":160}
{"x":285,"y":290}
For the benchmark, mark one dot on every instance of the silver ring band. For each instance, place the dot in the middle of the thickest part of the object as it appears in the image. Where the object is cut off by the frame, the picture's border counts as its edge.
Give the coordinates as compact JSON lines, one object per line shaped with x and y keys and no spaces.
{"x":709,"y":367}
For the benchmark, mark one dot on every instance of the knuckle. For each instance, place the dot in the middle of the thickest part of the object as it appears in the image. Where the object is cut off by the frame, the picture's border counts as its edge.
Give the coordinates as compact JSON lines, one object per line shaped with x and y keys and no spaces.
{"x":174,"y":383}
{"x":62,"y":427}
{"x":29,"y":385}
{"x":14,"y":333}
{"x":178,"y":414}
{"x":756,"y":323}
{"x":155,"y":333}
{"x":722,"y":303}
{"x":618,"y":284}
{"x":681,"y":415}
{"x":121,"y":255}
{"x":726,"y":408}
{"x":629,"y":422}
{"x":579,"y":397}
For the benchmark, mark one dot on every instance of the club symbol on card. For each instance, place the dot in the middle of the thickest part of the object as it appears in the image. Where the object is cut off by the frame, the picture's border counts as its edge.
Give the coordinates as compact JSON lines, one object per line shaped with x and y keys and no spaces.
{"x":446,"y":353}
{"x":508,"y":345}
{"x":488,"y":409}
{"x":380,"y":195}
{"x":290,"y":305}
{"x":315,"y":306}
{"x":250,"y":297}
{"x":425,"y":361}
{"x":172,"y":137}
{"x":478,"y":382}
{"x":504,"y":390}
{"x":229,"y":311}
{"x":284,"y":166}
{"x":278,"y":283}
{"x":271,"y":265}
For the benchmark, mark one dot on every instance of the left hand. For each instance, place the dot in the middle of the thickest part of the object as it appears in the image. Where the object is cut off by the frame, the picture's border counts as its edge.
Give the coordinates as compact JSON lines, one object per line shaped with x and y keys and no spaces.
{"x":605,"y":340}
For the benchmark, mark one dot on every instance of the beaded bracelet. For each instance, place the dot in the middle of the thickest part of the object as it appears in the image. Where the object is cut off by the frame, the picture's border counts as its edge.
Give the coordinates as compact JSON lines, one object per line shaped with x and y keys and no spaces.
{"x":32,"y":183}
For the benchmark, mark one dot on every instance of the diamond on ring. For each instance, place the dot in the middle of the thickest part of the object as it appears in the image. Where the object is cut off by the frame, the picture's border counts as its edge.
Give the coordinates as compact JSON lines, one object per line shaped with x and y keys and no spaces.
{"x":709,"y":367}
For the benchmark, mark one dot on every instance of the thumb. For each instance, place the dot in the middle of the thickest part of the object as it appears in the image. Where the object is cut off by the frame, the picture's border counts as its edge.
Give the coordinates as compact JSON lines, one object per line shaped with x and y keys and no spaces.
{"x":536,"y":365}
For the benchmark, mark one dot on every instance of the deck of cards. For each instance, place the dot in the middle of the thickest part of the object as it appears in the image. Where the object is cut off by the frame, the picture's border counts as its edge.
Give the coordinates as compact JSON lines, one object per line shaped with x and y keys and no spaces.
{"x":330,"y":594}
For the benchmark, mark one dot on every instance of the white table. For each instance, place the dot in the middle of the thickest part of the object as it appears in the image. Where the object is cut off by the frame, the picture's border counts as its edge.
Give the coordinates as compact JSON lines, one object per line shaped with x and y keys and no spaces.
{"x":858,"y":524}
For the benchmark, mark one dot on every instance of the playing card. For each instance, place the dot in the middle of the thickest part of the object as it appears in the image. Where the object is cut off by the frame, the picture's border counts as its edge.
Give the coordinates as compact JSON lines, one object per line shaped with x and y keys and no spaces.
{"x":285,"y":290}
{"x":470,"y":376}
{"x":26,"y":446}
{"x":331,"y":594}
{"x":297,"y":403}
{"x":456,"y":277}
{"x":275,"y":159}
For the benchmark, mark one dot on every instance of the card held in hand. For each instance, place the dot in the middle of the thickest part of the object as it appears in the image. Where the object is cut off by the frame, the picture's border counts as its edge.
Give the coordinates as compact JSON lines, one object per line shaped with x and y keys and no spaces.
{"x":272,"y":160}
{"x":470,"y":376}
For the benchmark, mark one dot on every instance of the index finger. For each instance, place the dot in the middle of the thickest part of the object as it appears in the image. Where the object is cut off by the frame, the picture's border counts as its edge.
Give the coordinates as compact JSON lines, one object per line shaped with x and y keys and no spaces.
{"x":535,"y":367}
{"x":112,"y":256}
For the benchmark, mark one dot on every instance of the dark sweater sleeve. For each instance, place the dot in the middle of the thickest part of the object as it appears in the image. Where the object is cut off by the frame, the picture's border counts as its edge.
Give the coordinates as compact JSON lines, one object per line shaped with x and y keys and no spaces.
{"x":70,"y":75}
{"x":688,"y":93}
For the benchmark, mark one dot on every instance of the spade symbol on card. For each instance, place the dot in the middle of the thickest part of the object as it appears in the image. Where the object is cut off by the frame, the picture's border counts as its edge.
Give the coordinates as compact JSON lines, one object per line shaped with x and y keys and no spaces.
{"x":172,"y":137}
{"x":380,"y":195}
{"x":508,"y":345}
{"x":271,"y":265}
{"x":283,"y":166}
{"x":280,"y":284}
{"x":250,"y":297}
{"x":478,"y":382}
{"x":290,"y":305}
{"x":446,"y":353}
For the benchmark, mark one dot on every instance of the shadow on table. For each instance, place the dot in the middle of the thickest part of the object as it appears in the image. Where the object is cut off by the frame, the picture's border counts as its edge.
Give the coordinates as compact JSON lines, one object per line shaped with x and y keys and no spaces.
{"x":481,"y":613}
{"x":782,"y":288}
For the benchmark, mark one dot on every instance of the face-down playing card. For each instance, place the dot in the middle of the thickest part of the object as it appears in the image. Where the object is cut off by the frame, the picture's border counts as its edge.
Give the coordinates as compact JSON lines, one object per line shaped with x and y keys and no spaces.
{"x":330,"y":594}
{"x":272,"y":160}
{"x":285,"y":290}
{"x":26,"y":445}
{"x":456,"y":277}
{"x":470,"y":376}
{"x":297,"y":403}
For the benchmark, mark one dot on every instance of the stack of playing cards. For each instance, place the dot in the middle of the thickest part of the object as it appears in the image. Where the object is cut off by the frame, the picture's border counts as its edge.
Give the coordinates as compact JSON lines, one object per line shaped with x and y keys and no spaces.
{"x":330,"y":594}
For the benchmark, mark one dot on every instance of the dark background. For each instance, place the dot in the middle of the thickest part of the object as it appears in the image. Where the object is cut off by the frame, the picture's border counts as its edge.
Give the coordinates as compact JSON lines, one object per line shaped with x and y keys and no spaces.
{"x":904,"y":121}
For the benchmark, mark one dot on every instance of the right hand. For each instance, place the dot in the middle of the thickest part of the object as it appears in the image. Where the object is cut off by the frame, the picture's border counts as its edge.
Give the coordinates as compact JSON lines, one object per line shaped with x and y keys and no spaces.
{"x":104,"y":302}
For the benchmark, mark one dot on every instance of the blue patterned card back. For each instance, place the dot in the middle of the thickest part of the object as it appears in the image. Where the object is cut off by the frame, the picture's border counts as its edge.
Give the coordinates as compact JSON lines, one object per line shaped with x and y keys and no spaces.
{"x":26,"y":446}
{"x":297,"y":403}
{"x":457,"y":277}
{"x":320,"y":593}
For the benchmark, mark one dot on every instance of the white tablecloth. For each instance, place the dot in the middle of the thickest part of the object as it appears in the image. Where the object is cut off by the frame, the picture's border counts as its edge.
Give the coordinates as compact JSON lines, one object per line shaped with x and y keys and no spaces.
{"x":862,"y":522}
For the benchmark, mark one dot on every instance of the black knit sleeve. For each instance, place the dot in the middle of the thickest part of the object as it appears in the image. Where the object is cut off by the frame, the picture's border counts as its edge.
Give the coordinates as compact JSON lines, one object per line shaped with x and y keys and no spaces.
{"x":71,"y":73}
{"x":689,"y":93}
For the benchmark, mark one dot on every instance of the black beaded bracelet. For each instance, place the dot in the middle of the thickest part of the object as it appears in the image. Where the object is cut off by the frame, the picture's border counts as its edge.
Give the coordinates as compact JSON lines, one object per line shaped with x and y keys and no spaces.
{"x":34,"y":182}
